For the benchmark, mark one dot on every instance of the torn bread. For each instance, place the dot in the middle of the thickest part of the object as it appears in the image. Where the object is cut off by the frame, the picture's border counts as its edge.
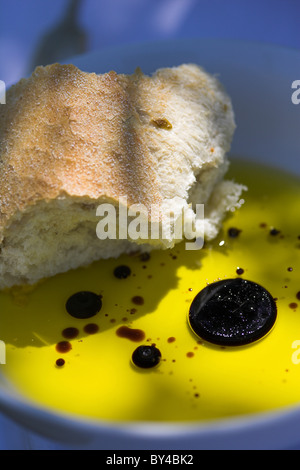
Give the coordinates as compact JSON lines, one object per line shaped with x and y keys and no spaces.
{"x":71,"y":141}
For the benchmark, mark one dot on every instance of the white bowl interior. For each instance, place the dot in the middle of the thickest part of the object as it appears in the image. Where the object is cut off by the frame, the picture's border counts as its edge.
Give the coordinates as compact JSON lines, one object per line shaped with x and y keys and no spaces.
{"x":258,"y":77}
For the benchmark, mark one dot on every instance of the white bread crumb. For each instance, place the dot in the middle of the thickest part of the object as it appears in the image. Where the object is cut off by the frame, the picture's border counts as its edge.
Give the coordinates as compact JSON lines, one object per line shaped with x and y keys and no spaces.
{"x":70,"y":141}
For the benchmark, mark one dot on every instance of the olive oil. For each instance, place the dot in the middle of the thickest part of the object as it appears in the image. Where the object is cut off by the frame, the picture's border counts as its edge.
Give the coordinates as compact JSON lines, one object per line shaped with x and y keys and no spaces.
{"x":84,"y":365}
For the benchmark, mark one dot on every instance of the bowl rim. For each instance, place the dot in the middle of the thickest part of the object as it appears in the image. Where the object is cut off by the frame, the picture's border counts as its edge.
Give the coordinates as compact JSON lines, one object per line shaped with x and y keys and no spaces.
{"x":21,"y":408}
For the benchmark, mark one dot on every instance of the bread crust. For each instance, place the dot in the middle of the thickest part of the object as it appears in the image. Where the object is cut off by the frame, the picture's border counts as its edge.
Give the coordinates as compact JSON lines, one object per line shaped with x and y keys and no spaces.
{"x":71,"y":137}
{"x":67,"y":132}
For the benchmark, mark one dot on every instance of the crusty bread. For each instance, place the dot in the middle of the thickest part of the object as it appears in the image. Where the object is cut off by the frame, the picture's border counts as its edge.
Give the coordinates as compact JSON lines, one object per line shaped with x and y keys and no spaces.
{"x":71,"y":140}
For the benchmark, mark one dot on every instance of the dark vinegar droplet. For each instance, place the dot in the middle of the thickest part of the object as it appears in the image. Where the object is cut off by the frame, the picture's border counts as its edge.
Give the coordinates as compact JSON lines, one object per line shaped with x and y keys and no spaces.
{"x":190,"y":354}
{"x":63,"y":347}
{"x":298,"y":295}
{"x":171,"y":339}
{"x":146,"y":356}
{"x":232,"y":312}
{"x":122,"y":272}
{"x":84,"y":304}
{"x":240,"y":271}
{"x":233,"y":232}
{"x":145,"y":257}
{"x":60,"y":362}
{"x":70,"y":332}
{"x":130,"y":333}
{"x":137,"y":300}
{"x":91,"y":328}
{"x":274,"y":231}
{"x":293,"y":305}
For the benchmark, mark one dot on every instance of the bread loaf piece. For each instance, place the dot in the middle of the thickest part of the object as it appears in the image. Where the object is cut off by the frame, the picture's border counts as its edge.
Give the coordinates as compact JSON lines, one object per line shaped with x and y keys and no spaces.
{"x":71,"y":141}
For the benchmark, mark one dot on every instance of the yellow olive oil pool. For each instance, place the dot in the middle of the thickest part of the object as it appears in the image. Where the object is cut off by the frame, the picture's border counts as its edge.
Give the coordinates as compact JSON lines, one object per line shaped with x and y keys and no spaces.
{"x":86,"y":365}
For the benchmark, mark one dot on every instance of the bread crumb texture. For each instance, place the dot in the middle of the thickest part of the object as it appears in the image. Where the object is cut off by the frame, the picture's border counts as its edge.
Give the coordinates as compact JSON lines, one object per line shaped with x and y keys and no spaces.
{"x":71,"y":140}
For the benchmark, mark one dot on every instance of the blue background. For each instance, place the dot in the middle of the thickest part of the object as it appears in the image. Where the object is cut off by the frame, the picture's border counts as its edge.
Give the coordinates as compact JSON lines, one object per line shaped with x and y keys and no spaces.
{"x":111,"y":22}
